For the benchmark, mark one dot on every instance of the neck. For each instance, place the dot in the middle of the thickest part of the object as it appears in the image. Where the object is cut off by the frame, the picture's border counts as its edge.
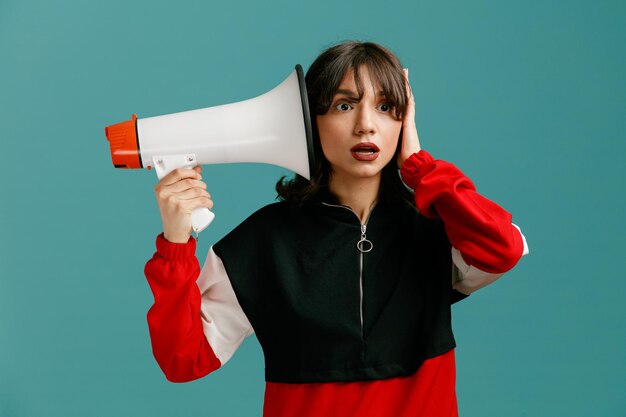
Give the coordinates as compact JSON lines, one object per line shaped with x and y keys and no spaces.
{"x":360,"y":194}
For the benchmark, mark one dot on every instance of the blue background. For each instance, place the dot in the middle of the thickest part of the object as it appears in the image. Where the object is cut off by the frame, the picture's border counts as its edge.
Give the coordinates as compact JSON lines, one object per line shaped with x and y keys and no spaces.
{"x":526,"y":97}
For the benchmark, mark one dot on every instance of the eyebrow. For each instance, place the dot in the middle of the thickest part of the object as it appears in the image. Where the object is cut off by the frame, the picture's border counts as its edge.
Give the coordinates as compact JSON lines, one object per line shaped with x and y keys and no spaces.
{"x":354,"y":94}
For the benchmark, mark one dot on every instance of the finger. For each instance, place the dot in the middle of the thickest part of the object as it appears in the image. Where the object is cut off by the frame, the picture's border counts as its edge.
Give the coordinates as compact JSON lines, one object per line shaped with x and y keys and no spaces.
{"x":407,"y":85}
{"x":205,"y":202}
{"x":183,"y":185}
{"x":192,"y":194}
{"x":196,"y":203}
{"x":179,"y":174}
{"x":190,"y":204}
{"x":409,"y":90}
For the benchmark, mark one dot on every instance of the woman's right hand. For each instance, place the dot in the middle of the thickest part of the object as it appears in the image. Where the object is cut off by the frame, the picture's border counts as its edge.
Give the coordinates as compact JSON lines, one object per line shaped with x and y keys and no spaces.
{"x":178,"y":194}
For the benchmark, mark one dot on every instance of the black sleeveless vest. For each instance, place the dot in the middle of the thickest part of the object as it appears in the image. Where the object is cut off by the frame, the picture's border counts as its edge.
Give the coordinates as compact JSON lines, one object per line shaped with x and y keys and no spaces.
{"x":325,"y":312}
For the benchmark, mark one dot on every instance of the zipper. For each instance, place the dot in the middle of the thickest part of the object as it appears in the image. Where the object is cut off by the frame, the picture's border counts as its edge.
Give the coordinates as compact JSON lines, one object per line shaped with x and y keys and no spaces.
{"x":363,"y":246}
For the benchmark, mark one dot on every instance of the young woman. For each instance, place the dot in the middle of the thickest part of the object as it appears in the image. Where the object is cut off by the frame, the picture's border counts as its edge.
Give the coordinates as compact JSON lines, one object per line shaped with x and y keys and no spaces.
{"x":348,"y":280}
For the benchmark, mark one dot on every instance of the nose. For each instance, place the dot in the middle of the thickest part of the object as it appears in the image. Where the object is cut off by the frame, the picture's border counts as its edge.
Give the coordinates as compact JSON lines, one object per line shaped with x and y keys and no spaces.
{"x":365,"y":121}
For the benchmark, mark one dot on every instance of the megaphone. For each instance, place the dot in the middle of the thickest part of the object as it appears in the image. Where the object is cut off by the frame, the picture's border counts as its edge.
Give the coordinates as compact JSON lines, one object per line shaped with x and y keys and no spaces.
{"x":273,"y":128}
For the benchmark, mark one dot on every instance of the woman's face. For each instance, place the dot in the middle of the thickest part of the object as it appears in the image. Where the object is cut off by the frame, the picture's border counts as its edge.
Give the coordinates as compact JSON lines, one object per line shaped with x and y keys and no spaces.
{"x":358,"y":136}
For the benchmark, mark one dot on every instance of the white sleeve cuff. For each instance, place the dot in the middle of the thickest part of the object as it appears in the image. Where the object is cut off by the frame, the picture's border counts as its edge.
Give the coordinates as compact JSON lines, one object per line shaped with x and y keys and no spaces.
{"x":526,"y":250}
{"x":467,"y":279}
{"x":224,"y":323}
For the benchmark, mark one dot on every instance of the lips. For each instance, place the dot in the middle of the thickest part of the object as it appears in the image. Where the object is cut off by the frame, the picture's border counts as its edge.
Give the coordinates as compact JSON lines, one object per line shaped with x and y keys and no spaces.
{"x":365,"y":151}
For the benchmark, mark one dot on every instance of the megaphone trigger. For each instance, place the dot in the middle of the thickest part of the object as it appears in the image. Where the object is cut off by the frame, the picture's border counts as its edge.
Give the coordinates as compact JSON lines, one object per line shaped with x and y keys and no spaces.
{"x":164,"y":164}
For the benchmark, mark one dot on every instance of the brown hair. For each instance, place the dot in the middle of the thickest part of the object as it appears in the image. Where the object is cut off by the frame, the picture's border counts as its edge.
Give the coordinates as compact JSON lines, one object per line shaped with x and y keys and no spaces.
{"x":322,"y":81}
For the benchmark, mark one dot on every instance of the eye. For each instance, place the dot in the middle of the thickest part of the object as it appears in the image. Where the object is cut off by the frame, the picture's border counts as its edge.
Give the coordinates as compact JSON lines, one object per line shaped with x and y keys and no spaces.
{"x":343,"y":107}
{"x":385,"y":107}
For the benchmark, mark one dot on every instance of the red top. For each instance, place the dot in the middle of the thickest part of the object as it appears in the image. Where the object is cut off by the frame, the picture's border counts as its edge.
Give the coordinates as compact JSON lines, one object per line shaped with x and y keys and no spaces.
{"x":480,"y":229}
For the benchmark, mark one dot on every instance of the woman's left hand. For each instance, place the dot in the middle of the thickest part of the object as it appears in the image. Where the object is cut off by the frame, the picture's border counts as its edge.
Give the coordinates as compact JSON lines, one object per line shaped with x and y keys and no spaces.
{"x":410,"y":141}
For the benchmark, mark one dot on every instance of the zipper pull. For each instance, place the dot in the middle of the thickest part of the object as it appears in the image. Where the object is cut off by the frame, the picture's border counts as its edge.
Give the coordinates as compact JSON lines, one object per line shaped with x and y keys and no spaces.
{"x":364,"y":245}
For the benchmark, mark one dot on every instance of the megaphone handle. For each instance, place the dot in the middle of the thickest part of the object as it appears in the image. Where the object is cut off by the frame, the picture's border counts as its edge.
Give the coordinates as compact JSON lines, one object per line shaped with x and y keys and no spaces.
{"x":163,"y":165}
{"x":200,"y":219}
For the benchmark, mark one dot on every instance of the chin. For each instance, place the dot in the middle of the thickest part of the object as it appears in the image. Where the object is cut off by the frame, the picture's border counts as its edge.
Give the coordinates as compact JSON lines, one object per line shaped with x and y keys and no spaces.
{"x":367,"y":172}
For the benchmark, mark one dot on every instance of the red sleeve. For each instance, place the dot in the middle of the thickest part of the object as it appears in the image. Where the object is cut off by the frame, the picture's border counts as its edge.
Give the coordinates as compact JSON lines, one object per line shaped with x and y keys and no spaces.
{"x":479,"y":228}
{"x":178,"y":342}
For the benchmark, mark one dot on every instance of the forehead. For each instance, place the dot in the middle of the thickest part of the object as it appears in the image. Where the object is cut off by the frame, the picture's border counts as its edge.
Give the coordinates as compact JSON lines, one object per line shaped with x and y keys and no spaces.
{"x":360,"y":81}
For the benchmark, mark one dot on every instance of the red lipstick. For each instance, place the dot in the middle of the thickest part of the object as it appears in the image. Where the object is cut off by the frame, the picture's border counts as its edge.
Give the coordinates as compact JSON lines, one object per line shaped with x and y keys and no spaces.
{"x":365,"y":151}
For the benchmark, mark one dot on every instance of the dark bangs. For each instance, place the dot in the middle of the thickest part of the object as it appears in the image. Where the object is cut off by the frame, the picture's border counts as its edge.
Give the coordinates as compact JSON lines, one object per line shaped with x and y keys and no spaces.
{"x":325,"y":75}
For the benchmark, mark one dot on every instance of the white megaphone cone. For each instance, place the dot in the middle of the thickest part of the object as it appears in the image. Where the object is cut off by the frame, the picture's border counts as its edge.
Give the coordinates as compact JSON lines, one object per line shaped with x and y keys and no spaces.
{"x":274,"y":128}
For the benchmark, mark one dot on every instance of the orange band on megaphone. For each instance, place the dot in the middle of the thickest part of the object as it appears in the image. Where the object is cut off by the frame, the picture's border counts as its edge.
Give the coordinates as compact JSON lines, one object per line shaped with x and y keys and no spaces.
{"x":124,"y":144}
